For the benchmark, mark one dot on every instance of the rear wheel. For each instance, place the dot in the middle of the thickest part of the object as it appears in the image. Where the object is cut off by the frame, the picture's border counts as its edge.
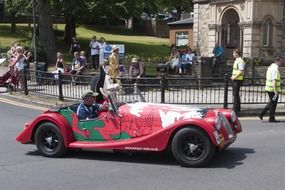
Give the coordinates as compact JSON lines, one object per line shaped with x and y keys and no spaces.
{"x":192,"y":147}
{"x":49,"y":140}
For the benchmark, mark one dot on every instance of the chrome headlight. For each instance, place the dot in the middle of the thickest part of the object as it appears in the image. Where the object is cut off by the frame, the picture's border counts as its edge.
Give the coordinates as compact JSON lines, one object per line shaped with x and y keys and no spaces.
{"x":233,"y":116}
{"x":218,"y":123}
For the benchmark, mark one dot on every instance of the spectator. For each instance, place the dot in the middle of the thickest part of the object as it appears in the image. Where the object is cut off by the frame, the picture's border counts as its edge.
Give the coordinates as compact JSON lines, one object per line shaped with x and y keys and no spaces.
{"x":218,"y":52}
{"x":77,"y":67}
{"x":18,"y":65}
{"x":12,"y":51}
{"x":174,"y":59}
{"x":94,"y":46}
{"x":9,"y":79}
{"x":186,"y":61}
{"x":102,"y":45}
{"x":59,"y":65}
{"x":88,"y":109}
{"x":114,"y":64}
{"x":75,"y":46}
{"x":28,"y":59}
{"x":83,"y":57}
{"x":136,"y":69}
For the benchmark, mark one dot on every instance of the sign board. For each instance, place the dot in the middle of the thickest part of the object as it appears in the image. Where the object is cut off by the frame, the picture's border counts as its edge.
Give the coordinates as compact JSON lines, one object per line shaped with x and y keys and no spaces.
{"x":108,"y":50}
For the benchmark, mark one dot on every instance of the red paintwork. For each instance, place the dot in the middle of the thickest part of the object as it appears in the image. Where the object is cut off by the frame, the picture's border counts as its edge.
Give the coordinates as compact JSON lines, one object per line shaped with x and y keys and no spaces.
{"x":26,"y":135}
{"x":148,"y":131}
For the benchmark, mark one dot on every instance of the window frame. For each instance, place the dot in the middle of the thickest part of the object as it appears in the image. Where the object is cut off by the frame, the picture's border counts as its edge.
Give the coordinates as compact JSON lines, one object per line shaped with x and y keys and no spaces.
{"x":182,"y":34}
{"x":267,"y":33}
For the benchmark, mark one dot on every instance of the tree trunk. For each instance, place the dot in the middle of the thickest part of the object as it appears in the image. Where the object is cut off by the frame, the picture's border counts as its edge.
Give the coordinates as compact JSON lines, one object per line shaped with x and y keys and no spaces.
{"x":129,"y":23}
{"x":46,"y":34}
{"x":179,"y":12}
{"x":13,"y":22}
{"x":70,"y":27}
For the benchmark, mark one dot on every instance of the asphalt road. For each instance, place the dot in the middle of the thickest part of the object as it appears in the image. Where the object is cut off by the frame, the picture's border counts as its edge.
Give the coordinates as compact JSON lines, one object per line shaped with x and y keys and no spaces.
{"x":255,"y":161}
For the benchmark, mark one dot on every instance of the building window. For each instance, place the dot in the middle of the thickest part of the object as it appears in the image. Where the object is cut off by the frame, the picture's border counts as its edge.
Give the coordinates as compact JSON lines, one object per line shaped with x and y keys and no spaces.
{"x":232,"y":35}
{"x":182,"y":38}
{"x":267,"y":33}
{"x":228,"y":34}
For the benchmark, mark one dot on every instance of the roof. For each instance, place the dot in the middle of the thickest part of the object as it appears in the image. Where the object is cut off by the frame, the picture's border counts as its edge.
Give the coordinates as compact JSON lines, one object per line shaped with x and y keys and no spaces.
{"x":182,"y":22}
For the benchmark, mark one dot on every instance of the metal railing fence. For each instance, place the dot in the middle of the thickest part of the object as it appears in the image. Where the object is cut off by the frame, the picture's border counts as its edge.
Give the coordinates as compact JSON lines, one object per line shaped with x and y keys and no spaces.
{"x":173,"y":90}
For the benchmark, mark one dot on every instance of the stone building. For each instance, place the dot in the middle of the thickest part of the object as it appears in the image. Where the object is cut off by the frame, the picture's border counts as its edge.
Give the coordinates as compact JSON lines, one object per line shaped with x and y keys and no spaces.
{"x":255,"y":26}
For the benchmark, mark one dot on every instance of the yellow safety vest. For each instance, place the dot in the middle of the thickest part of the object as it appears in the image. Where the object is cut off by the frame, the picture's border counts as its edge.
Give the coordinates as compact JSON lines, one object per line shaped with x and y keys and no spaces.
{"x":236,"y":71}
{"x":269,"y":81}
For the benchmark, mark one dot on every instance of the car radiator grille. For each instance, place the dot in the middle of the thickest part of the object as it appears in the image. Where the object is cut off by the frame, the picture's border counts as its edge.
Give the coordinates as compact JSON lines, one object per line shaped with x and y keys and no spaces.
{"x":227,"y":126}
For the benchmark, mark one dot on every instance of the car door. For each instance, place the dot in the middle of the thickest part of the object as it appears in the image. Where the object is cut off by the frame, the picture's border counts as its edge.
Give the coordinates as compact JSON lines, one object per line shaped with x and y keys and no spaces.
{"x":105,"y":127}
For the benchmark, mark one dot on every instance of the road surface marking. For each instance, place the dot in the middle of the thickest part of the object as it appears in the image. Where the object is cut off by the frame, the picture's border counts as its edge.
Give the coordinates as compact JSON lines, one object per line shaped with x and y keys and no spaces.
{"x":25,"y":105}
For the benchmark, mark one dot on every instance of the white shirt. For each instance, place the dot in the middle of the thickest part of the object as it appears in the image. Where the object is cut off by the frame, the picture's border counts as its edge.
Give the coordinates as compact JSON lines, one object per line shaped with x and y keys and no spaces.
{"x":94,"y":45}
{"x":189,"y":57}
{"x":274,"y":71}
{"x":20,"y":64}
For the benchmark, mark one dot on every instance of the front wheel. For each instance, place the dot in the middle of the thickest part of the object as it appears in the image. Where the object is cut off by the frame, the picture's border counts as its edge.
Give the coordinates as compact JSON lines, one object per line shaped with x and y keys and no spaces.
{"x":192,"y":147}
{"x":49,"y":140}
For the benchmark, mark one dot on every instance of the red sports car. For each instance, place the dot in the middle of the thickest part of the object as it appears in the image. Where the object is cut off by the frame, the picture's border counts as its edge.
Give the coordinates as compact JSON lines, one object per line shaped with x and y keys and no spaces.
{"x":193,"y":134}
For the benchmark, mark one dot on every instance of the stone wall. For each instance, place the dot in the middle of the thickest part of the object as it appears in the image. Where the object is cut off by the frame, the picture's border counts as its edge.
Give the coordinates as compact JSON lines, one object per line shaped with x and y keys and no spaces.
{"x":208,"y":22}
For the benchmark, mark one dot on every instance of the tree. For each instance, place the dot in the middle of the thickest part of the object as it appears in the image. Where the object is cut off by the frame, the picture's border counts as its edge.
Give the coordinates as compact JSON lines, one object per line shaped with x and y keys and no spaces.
{"x":179,"y":5}
{"x":46,"y":34}
{"x":15,"y":8}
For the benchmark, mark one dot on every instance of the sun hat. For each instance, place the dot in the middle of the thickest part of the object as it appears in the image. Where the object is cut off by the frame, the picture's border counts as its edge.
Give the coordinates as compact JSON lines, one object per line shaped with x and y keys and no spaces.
{"x":114,"y":47}
{"x":89,"y":93}
{"x":134,"y":60}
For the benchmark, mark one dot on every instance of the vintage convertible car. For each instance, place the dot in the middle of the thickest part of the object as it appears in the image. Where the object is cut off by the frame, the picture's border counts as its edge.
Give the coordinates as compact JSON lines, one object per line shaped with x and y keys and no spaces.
{"x":193,"y":134}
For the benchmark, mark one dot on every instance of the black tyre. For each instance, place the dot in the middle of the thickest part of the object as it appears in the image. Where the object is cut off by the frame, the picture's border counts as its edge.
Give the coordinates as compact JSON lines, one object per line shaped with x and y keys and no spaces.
{"x":49,"y":140}
{"x":192,"y":147}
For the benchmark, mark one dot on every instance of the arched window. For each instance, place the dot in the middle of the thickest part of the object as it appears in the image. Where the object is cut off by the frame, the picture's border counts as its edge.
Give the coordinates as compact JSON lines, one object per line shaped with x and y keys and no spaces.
{"x":267,"y":33}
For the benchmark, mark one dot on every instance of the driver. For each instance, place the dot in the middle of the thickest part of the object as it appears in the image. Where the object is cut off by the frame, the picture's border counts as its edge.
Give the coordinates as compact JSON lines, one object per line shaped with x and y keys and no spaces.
{"x":88,"y":109}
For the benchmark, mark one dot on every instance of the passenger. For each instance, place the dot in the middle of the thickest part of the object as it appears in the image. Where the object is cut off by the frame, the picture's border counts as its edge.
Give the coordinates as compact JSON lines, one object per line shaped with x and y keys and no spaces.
{"x":88,"y":109}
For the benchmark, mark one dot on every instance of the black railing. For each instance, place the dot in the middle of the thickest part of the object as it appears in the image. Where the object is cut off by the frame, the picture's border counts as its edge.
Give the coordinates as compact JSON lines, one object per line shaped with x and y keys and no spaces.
{"x":173,"y":90}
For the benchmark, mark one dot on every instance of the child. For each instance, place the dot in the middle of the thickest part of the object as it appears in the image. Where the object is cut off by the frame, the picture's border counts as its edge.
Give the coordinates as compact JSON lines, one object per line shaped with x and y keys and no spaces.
{"x":83,"y":57}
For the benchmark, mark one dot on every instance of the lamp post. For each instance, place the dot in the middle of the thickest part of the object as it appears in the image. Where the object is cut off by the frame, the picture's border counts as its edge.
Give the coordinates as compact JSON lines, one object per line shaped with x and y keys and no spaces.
{"x":34,"y":35}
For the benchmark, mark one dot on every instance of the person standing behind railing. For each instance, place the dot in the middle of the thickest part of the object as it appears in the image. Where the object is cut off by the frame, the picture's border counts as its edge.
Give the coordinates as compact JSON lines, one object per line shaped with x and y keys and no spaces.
{"x":237,"y":78}
{"x":102,"y":45}
{"x":218,"y":52}
{"x":273,"y":88}
{"x":114,"y":64}
{"x":75,"y":46}
{"x":94,"y":46}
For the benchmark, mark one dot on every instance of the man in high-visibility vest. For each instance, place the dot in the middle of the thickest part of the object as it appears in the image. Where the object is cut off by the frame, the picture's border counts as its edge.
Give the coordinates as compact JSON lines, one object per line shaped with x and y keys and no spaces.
{"x":273,"y":88}
{"x":237,"y":78}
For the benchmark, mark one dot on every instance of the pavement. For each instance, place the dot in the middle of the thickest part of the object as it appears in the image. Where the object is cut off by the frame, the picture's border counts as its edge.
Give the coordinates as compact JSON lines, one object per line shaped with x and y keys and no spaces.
{"x":50,"y":101}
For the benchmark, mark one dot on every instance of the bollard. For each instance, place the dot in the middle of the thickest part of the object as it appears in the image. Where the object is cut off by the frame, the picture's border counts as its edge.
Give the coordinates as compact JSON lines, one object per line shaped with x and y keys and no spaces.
{"x":60,"y":94}
{"x":226,"y":90}
{"x":162,"y":88}
{"x":25,"y":81}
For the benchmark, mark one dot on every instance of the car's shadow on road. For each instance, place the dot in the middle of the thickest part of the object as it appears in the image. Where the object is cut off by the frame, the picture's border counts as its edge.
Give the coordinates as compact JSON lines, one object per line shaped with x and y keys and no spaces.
{"x":229,"y":158}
